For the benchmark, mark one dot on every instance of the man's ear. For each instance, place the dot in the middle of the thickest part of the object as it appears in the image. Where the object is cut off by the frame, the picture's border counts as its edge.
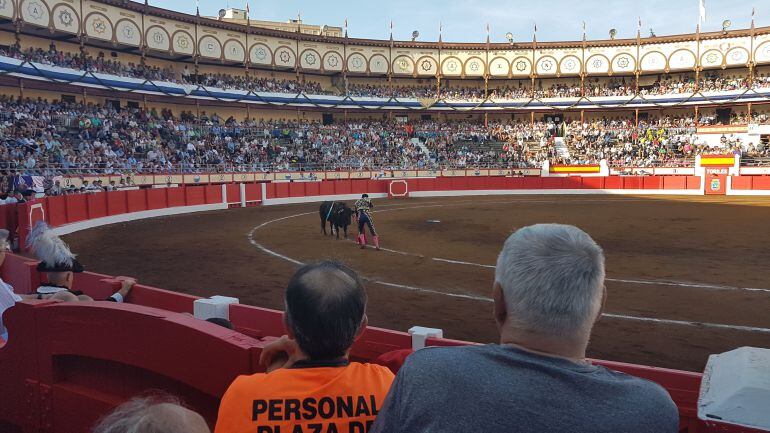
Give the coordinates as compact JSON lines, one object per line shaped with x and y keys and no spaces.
{"x":286,"y":326}
{"x":70,"y":279}
{"x":362,"y":327}
{"x":500,"y":309}
{"x":603,"y":304}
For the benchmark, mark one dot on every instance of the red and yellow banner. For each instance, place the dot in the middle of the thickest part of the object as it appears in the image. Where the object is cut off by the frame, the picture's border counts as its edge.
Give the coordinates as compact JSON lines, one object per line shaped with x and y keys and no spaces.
{"x":717,"y":160}
{"x":574,"y":169}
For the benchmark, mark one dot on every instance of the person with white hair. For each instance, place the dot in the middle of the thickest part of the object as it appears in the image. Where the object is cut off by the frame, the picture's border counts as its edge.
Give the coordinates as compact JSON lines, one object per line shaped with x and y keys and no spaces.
{"x":60,"y":266}
{"x":152,"y":414}
{"x":548,"y":294}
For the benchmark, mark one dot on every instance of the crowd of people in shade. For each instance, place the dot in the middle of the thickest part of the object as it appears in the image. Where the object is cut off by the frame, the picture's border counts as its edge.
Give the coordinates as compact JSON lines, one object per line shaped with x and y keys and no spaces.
{"x":38,"y":137}
{"x":548,"y":292}
{"x":425,"y":88}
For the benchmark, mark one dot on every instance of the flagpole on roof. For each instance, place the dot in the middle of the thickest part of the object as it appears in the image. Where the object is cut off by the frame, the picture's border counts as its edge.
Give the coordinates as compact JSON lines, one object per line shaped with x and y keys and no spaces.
{"x":247,"y":59}
{"x":533,"y":70}
{"x":297,"y":63}
{"x":486,"y":78}
{"x":345,"y":57}
{"x":390,"y":61}
{"x":697,"y":58}
{"x":751,"y":56}
{"x":638,"y":52}
{"x":582,"y":63}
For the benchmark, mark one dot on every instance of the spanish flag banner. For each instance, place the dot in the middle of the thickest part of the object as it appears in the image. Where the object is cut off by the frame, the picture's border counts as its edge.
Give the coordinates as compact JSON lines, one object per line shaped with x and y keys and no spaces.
{"x":574,"y":169}
{"x":717,"y":160}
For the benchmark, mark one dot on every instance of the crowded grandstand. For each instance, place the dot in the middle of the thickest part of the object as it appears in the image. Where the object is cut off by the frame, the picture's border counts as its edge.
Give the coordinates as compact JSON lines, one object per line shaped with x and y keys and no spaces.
{"x":134,"y":137}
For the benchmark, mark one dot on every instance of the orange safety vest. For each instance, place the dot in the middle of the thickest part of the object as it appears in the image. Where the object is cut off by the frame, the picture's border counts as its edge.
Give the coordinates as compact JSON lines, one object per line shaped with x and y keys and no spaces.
{"x":309,"y":399}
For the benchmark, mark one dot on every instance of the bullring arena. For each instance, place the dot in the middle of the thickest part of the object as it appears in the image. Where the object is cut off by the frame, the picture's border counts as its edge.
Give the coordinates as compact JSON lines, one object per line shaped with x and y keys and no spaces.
{"x":675,"y":296}
{"x":184,"y":158}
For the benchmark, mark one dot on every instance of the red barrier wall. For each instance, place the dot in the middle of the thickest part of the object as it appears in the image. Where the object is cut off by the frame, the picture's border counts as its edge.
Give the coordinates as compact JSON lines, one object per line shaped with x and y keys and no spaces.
{"x":760,"y":182}
{"x":117,"y":202}
{"x":123,"y":366}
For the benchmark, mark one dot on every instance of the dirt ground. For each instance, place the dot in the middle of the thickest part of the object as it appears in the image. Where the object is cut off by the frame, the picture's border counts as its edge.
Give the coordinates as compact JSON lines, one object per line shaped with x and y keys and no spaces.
{"x":687,"y":276}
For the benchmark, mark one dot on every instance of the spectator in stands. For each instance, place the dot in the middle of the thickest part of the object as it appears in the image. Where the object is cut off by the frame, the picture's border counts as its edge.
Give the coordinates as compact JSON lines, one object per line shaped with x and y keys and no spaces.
{"x":7,"y":296}
{"x":56,"y":188}
{"x":60,"y":266}
{"x":548,"y":293}
{"x":155,"y":414}
{"x":311,"y":380}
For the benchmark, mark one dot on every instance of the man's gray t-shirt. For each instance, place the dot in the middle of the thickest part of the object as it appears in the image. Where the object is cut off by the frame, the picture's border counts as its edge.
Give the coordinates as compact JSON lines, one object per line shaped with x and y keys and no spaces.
{"x":497,"y":388}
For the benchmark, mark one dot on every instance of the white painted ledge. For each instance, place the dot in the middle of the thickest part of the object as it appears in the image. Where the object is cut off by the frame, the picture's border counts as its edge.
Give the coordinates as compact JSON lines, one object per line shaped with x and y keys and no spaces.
{"x":556,"y":192}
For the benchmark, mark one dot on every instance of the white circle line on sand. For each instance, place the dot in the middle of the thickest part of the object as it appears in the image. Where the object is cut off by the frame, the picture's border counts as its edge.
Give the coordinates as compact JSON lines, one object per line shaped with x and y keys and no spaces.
{"x":268,"y":251}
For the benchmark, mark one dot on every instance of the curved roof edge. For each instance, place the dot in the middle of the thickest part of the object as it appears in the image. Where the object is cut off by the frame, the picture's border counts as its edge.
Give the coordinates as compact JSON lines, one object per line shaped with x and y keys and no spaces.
{"x":192,"y":19}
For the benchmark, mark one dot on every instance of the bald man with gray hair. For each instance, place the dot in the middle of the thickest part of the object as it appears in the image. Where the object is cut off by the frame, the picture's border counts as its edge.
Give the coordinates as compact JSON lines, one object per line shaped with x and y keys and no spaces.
{"x":548,"y":293}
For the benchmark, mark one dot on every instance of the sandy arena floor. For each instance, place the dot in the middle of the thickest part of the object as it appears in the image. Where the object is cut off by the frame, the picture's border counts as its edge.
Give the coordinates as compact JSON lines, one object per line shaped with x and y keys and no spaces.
{"x":687,"y":276}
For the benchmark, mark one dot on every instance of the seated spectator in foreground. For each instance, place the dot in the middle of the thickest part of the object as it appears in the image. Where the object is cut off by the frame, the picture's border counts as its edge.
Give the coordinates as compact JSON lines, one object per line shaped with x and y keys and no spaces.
{"x":311,"y":384}
{"x":7,"y":296}
{"x":60,"y":266}
{"x":156,"y":414}
{"x":548,"y":293}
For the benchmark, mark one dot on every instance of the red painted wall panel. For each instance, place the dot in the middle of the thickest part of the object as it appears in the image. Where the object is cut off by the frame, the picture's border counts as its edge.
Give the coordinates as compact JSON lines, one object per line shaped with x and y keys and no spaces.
{"x":613,"y":182}
{"x":632,"y":182}
{"x":76,"y":208}
{"x":195,"y":195}
{"x":97,"y":205}
{"x":56,"y":210}
{"x":213,"y":194}
{"x":175,"y":197}
{"x":281,"y":190}
{"x":359,"y":186}
{"x":378,"y":186}
{"x":342,"y":187}
{"x":553,"y":182}
{"x":443,"y":184}
{"x":572,"y":182}
{"x":254,"y":191}
{"x":652,"y":182}
{"x":693,"y":182}
{"x":327,"y":187}
{"x":742,"y":182}
{"x":156,"y":198}
{"x":674,"y":182}
{"x":530,"y":182}
{"x":116,"y":202}
{"x":269,"y":190}
{"x":460,"y":183}
{"x":297,"y":189}
{"x":233,"y":193}
{"x":136,"y":200}
{"x":760,"y":182}
{"x":592,"y":183}
{"x":312,"y":188}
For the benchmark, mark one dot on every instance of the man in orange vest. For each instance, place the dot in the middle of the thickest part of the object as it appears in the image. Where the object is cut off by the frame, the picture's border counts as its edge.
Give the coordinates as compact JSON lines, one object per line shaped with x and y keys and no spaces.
{"x":311,"y":386}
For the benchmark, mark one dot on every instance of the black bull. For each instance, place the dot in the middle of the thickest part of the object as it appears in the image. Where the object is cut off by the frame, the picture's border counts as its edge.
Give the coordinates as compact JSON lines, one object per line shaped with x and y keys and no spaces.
{"x":338,"y":215}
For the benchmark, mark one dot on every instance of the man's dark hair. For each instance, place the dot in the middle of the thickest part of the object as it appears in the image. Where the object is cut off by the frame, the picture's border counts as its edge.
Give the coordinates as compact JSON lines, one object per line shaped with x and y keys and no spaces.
{"x":325,"y":303}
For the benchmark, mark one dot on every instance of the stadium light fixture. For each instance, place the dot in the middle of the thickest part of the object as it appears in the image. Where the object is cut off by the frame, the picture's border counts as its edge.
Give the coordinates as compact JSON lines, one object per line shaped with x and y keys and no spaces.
{"x":415,"y":35}
{"x":726,"y":25}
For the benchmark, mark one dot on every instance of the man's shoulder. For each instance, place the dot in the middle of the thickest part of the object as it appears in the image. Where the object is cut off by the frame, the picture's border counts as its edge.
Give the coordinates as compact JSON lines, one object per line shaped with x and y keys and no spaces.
{"x":432,"y":357}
